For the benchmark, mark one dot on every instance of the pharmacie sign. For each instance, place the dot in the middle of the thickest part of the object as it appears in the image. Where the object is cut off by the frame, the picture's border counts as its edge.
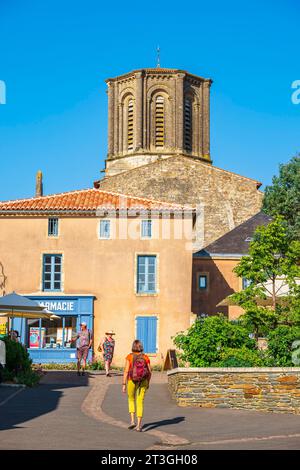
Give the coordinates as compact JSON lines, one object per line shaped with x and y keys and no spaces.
{"x":59,"y":305}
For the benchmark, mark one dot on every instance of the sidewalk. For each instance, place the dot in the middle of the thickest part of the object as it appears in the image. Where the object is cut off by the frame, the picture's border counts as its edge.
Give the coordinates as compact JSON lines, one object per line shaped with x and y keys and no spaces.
{"x":66,"y":412}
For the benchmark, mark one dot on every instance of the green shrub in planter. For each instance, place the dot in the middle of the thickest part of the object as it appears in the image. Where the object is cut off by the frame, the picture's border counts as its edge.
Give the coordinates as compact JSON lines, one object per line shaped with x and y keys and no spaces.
{"x":280,"y":342}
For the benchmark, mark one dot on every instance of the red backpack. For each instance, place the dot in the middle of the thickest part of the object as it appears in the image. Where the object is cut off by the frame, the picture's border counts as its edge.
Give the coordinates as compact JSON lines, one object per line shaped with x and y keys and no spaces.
{"x":139,"y":370}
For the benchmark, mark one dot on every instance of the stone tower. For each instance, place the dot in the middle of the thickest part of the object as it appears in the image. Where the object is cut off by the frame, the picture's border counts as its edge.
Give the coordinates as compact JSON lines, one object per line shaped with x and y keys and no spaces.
{"x":155,"y":114}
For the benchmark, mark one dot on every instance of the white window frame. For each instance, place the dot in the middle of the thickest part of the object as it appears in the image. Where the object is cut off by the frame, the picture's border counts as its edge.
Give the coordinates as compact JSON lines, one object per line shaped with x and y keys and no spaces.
{"x":99,"y":232}
{"x":148,"y":221}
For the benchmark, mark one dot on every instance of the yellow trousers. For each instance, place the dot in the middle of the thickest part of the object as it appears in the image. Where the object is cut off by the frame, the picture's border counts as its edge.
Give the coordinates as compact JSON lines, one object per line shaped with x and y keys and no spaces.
{"x":136,"y":395}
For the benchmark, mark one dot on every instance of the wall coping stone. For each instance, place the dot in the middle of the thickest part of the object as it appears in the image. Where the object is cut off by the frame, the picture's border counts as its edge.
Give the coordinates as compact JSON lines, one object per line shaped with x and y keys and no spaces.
{"x":205,"y":370}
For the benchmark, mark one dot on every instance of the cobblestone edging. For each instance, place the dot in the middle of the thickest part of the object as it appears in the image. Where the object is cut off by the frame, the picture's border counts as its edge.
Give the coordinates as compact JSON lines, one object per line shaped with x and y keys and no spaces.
{"x":272,"y":389}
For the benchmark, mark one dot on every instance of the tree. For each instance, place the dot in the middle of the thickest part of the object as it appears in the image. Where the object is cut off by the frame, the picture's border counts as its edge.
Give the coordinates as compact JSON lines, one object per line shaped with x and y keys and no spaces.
{"x":272,"y":264}
{"x":283,"y":196}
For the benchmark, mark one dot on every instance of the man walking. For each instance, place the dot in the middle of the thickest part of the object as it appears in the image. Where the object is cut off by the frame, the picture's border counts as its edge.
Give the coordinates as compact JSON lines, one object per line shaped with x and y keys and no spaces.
{"x":84,"y":341}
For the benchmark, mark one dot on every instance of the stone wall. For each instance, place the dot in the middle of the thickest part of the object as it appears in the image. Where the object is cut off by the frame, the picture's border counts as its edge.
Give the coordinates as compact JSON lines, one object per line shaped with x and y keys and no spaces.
{"x":224,"y":199}
{"x":271,"y":389}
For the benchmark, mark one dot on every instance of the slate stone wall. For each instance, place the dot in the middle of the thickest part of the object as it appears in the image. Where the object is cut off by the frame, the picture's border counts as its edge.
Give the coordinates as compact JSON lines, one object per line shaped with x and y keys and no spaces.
{"x":263,"y":389}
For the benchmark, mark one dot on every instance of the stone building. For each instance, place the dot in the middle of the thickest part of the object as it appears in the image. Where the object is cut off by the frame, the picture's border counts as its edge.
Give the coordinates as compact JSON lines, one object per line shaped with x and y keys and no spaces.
{"x":57,"y":249}
{"x":156,"y":113}
{"x":159,"y":147}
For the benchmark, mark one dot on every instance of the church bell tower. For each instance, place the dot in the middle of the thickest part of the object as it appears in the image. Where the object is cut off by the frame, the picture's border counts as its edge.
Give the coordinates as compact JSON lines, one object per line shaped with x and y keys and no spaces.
{"x":155,"y":114}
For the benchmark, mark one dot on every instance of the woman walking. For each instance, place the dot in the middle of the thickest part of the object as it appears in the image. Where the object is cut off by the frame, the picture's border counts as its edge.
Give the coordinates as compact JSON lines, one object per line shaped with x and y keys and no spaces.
{"x":137,"y":375}
{"x":108,"y":347}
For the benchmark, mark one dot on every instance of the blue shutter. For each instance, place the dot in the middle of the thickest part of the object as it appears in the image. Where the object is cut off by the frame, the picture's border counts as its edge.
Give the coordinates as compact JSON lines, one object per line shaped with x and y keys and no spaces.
{"x":147,"y":333}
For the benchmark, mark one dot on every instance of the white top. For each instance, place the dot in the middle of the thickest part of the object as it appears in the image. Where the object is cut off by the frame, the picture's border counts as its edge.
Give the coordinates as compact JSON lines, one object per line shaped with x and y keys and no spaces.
{"x":2,"y":353}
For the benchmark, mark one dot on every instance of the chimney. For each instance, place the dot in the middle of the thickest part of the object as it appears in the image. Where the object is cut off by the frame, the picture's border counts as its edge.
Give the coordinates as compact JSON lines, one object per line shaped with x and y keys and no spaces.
{"x":39,"y":184}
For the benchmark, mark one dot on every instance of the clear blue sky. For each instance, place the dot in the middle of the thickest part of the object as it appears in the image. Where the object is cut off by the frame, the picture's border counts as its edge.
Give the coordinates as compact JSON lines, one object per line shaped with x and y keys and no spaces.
{"x":56,"y":54}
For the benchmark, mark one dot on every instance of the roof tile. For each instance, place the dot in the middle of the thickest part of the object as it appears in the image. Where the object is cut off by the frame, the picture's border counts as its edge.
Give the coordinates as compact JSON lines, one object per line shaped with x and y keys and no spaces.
{"x":86,"y":200}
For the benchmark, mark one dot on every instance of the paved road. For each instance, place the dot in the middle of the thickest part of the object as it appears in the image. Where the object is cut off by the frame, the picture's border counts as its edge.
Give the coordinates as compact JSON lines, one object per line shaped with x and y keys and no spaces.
{"x":211,"y":428}
{"x":50,"y":417}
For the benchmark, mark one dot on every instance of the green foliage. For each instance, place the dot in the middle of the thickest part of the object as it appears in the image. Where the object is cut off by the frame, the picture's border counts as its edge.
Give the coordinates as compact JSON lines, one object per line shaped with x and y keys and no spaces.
{"x":206,"y":340}
{"x":280,"y":342}
{"x":283,"y":196}
{"x":96,"y":365}
{"x":56,"y":366}
{"x":17,"y":357}
{"x":242,"y":357}
{"x":18,"y":367}
{"x":271,"y":256}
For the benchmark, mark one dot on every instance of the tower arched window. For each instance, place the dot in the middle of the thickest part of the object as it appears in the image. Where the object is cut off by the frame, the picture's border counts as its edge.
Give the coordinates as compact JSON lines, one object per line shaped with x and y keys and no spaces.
{"x":159,"y":121}
{"x":188,"y":122}
{"x":130,"y":117}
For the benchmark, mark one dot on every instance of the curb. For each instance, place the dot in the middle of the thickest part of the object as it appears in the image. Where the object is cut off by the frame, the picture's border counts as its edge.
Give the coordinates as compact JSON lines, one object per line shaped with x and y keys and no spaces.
{"x":13,"y":385}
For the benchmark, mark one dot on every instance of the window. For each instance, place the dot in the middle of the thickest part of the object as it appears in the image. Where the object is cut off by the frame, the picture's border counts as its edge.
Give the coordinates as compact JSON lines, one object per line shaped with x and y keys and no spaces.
{"x":53,"y":227}
{"x":130,"y":125}
{"x":105,"y":229}
{"x":52,"y":334}
{"x":146,"y":274}
{"x":52,"y":267}
{"x":188,"y":111}
{"x":146,"y":332}
{"x":146,"y":229}
{"x":159,"y":122}
{"x":202,"y":282}
{"x":245,"y":283}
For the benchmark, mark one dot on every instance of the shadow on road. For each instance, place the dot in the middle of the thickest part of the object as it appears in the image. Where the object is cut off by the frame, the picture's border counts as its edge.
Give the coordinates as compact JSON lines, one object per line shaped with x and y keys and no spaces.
{"x":40,"y":400}
{"x":163,"y":422}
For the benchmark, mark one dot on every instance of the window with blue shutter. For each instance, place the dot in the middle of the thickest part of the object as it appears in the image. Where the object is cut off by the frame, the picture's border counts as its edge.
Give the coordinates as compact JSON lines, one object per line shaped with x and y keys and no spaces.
{"x":146,"y":229}
{"x":104,"y":228}
{"x":52,"y":270}
{"x":147,"y":333}
{"x":146,"y":274}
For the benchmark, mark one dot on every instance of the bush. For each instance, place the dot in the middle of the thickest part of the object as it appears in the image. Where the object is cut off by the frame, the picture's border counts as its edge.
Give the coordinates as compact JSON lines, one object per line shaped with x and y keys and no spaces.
{"x":241,"y":357}
{"x":17,"y":357}
{"x":96,"y":365}
{"x":207,"y":339}
{"x":280,"y":342}
{"x":18,"y":367}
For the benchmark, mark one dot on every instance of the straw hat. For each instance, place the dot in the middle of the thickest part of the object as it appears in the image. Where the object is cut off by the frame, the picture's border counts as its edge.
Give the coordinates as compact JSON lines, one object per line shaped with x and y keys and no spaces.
{"x":110,"y":332}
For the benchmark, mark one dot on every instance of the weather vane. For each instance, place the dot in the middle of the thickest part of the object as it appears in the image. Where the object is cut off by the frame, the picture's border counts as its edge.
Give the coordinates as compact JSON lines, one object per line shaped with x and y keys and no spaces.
{"x":158,"y":57}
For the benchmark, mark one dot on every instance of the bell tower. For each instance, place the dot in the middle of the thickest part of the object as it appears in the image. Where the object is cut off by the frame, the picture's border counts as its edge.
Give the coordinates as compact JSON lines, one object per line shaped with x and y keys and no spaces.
{"x":155,"y":114}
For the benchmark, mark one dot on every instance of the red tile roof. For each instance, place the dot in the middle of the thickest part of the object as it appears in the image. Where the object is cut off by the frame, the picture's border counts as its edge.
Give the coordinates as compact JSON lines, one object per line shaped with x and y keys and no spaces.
{"x":86,"y":200}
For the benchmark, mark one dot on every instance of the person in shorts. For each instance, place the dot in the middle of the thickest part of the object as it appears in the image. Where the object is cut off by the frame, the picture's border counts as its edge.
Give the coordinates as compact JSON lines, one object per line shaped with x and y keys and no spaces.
{"x":84,"y":341}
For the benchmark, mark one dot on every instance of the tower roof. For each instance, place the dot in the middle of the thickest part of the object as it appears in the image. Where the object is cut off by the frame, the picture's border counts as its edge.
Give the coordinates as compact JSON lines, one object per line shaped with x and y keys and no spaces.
{"x":158,"y":71}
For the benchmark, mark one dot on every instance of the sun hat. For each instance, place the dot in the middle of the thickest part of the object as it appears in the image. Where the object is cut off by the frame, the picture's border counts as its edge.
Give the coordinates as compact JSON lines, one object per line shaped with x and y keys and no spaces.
{"x":83,"y":323}
{"x":110,"y":332}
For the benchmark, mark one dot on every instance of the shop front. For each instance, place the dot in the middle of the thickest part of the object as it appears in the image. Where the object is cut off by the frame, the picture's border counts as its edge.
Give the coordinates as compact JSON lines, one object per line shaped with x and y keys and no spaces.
{"x":52,"y":340}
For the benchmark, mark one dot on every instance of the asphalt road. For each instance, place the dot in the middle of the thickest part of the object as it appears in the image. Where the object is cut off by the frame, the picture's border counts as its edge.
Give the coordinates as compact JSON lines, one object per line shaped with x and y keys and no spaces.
{"x":50,"y":417}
